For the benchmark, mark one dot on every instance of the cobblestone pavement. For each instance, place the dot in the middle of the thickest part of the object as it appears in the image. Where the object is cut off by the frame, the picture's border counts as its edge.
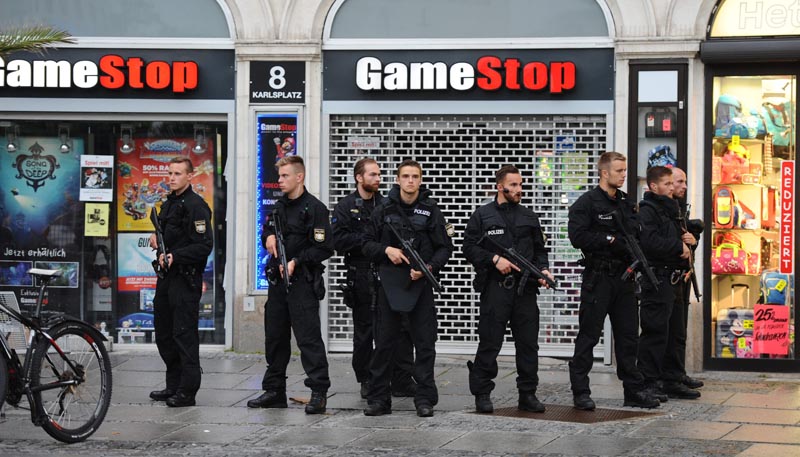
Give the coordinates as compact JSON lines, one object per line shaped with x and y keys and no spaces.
{"x":745,"y":414}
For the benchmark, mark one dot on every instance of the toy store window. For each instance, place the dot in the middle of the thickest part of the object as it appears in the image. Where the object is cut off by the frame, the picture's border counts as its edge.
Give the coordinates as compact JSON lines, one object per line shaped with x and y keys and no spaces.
{"x":752,"y":305}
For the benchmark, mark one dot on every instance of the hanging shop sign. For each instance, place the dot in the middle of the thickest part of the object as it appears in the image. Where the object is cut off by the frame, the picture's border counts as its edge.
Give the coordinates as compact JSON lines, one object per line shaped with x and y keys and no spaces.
{"x":278,"y":82}
{"x":129,"y":73}
{"x":787,"y":217}
{"x":512,"y":74}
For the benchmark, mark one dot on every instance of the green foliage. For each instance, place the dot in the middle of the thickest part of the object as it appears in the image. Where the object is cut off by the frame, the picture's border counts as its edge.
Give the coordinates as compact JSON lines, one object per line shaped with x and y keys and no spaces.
{"x":32,"y":39}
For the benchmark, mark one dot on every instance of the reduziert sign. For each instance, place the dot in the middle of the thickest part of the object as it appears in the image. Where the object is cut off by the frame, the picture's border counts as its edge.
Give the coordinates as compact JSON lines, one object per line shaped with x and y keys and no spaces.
{"x":512,"y":74}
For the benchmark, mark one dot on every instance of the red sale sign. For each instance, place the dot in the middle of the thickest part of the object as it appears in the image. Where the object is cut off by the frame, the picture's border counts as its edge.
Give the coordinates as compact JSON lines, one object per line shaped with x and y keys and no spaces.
{"x":787,"y":217}
{"x":771,"y":330}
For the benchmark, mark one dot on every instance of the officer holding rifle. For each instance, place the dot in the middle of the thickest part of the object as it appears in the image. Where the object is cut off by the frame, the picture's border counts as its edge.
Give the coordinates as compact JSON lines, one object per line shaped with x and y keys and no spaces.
{"x":410,"y":243}
{"x":298,"y":236}
{"x":505,"y":243}
{"x":183,"y":243}
{"x":601,"y":224}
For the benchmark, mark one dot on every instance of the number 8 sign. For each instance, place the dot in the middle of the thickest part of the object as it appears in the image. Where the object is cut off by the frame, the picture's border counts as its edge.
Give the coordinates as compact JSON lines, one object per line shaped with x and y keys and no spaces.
{"x":278,"y":82}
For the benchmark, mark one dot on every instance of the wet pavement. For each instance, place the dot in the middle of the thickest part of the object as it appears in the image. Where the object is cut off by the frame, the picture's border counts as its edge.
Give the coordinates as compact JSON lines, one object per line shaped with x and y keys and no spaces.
{"x":745,"y":414}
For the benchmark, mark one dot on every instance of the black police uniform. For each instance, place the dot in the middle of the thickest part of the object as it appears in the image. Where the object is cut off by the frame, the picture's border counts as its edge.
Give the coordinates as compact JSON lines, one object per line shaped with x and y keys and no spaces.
{"x":350,"y":218}
{"x":188,"y":236}
{"x":675,"y":356}
{"x":307,"y":237}
{"x":661,"y":243}
{"x":423,"y":221}
{"x":593,"y":230}
{"x":503,"y":297}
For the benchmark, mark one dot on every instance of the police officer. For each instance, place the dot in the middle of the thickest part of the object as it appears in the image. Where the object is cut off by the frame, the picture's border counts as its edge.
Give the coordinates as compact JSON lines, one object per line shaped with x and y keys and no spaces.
{"x":675,"y":357}
{"x":350,"y":218}
{"x":307,"y":242}
{"x":592,"y":229}
{"x":185,"y":219}
{"x":410,"y":210}
{"x":507,"y":295}
{"x":662,"y":244}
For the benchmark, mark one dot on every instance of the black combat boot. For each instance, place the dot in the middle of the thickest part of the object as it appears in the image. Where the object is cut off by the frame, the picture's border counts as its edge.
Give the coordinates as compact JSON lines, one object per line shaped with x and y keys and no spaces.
{"x":424,"y":410}
{"x":483,"y":404}
{"x":269,"y":399}
{"x":318,"y":402}
{"x":583,"y":402}
{"x":692,"y":383}
{"x":364,"y":389}
{"x":656,"y":391}
{"x":679,"y":390}
{"x":161,"y":395}
{"x":180,"y":400}
{"x":529,"y":402}
{"x":377,"y":408}
{"x":640,"y":399}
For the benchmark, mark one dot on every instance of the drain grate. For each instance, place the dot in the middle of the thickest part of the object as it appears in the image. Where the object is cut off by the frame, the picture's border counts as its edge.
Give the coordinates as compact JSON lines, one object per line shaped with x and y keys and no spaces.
{"x":563,"y":413}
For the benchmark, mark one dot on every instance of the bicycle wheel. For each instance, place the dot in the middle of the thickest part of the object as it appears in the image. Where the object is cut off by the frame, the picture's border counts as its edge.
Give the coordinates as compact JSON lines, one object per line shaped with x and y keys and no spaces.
{"x":71,"y":413}
{"x":3,"y":380}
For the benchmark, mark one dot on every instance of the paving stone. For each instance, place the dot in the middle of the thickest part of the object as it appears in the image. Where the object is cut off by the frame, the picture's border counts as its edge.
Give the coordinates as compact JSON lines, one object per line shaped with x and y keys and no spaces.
{"x":770,"y":400}
{"x":318,"y":436}
{"x":686,"y":429}
{"x":405,"y":439}
{"x":152,"y":379}
{"x":499,"y":442}
{"x":591,"y":445}
{"x":211,"y":433}
{"x":760,"y":416}
{"x":228,"y":366}
{"x":223,"y":380}
{"x":135,"y":431}
{"x":765,"y":434}
{"x":763,"y":450}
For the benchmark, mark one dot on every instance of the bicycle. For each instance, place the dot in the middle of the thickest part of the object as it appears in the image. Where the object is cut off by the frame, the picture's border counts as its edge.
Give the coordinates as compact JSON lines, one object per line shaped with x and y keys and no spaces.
{"x":66,"y":373}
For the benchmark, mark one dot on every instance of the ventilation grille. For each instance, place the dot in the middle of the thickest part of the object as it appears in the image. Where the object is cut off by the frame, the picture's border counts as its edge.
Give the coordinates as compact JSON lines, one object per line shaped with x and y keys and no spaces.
{"x":459,"y":155}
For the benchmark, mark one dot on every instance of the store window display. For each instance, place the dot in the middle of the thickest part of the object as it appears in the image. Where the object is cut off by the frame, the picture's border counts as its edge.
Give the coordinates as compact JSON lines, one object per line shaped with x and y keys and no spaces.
{"x":76,"y":196}
{"x":752,"y":229}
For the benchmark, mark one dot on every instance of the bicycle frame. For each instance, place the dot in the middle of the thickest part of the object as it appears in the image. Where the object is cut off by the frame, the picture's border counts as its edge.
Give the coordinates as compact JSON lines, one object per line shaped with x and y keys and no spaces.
{"x":23,"y":370}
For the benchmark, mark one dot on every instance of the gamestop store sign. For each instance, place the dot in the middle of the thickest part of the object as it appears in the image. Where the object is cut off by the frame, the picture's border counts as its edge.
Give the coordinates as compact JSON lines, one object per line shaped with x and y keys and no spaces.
{"x":514,"y":74}
{"x":87,"y":73}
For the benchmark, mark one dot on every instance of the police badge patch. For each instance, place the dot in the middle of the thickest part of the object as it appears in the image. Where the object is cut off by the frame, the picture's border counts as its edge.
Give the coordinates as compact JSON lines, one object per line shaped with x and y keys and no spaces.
{"x":451,"y":231}
{"x":200,"y":226}
{"x":319,"y":235}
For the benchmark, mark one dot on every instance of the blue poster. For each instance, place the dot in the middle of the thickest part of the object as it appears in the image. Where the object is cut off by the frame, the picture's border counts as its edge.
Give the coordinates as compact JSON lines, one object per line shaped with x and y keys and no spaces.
{"x":276,"y":138}
{"x":41,"y":217}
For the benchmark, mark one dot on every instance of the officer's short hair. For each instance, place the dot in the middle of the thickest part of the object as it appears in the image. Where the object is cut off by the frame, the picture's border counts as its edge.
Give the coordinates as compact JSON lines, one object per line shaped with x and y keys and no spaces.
{"x":295,"y":161}
{"x":654,"y":174}
{"x":185,"y":161}
{"x":409,"y":163}
{"x":359,"y":167}
{"x":607,"y":157}
{"x":500,"y":176}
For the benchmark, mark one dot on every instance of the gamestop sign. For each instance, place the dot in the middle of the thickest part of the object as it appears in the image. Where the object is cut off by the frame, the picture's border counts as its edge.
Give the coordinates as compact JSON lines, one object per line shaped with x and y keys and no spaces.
{"x":128,"y":73}
{"x":111,"y":72}
{"x":489,"y":73}
{"x":524,"y":74}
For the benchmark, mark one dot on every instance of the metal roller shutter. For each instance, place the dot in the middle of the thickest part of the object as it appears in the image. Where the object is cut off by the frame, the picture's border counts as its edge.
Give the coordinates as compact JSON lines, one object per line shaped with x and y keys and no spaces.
{"x":459,"y":155}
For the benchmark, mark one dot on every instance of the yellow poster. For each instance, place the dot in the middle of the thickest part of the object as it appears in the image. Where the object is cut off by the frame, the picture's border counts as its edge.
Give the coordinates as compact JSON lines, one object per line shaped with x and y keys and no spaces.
{"x":96,"y":222}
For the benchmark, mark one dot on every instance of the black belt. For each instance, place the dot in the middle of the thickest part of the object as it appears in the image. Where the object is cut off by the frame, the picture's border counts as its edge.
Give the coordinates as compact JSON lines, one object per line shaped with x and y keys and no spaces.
{"x":357,"y":263}
{"x":605,"y":264}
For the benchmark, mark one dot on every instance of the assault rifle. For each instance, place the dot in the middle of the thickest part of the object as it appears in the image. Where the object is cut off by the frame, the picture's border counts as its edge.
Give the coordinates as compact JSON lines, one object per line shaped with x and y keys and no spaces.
{"x":639,"y":260}
{"x":691,"y":275}
{"x":161,"y":271}
{"x":280,"y":246}
{"x":521,"y":262}
{"x":417,"y":262}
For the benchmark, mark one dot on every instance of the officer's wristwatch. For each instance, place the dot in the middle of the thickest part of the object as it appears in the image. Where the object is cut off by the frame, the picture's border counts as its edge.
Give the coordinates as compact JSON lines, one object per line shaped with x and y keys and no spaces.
{"x":610,"y":239}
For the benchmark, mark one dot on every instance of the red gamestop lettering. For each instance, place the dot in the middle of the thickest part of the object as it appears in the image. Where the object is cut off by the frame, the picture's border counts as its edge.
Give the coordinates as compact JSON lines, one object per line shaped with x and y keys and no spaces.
{"x":112,"y":72}
{"x":489,"y":73}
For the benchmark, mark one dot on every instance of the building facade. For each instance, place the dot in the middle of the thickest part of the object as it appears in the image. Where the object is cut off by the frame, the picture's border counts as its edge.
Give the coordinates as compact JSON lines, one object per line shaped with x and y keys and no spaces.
{"x":547,"y":86}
